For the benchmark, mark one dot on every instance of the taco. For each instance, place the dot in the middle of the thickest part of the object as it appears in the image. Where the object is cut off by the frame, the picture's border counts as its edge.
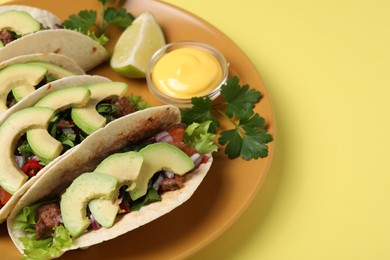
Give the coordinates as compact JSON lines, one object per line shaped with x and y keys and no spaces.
{"x":27,"y":30}
{"x":51,"y":121}
{"x":138,"y":167}
{"x":46,"y":19}
{"x":22,"y":75}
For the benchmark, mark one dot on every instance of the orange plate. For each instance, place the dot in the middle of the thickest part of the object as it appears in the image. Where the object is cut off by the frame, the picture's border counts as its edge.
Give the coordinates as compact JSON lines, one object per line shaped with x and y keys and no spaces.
{"x":230,"y":185}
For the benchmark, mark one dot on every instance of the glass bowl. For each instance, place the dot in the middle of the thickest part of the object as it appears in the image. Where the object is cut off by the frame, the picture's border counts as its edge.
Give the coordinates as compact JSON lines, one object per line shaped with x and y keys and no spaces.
{"x":185,"y":102}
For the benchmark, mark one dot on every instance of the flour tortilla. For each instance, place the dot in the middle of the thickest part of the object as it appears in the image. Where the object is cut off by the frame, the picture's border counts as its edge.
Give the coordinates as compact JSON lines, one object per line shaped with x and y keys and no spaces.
{"x":30,"y":101}
{"x":85,"y":157}
{"x":45,"y":18}
{"x":57,"y":59}
{"x":86,"y":52}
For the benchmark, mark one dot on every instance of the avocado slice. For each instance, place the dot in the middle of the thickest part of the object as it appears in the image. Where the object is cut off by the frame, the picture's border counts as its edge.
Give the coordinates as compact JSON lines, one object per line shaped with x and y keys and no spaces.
{"x":16,"y":75}
{"x":86,"y":187}
{"x":46,"y":147}
{"x":125,"y":167}
{"x":11,"y":177}
{"x":157,"y":157}
{"x":87,"y":118}
{"x":53,"y":72}
{"x":19,"y":22}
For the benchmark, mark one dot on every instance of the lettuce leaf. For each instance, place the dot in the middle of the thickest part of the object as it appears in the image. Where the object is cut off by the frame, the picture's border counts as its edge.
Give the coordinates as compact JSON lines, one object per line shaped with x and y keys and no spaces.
{"x":197,"y":136}
{"x":47,"y":248}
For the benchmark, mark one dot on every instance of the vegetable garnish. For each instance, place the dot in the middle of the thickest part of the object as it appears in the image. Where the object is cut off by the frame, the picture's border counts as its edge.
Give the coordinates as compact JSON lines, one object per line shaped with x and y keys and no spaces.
{"x":86,"y":21}
{"x":249,"y":136}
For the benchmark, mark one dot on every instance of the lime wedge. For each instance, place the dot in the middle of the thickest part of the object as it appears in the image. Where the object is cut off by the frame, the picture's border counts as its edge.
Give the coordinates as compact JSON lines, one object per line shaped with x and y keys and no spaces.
{"x":136,"y":45}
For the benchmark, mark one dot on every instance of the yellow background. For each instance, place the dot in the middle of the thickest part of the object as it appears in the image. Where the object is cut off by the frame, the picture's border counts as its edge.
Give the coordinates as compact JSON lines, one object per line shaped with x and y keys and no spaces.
{"x":326,"y":67}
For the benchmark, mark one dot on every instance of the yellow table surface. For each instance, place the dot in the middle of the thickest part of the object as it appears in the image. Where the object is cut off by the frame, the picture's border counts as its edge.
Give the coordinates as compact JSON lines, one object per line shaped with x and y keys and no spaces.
{"x":326,"y":67}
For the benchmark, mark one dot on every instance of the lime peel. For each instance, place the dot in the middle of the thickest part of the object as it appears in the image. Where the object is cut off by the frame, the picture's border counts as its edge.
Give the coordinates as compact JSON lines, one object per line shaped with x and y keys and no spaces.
{"x":136,"y":46}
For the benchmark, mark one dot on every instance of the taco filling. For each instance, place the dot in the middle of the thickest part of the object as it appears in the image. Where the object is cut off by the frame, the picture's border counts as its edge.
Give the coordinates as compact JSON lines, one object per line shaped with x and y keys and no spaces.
{"x":17,"y":21}
{"x":69,"y":134}
{"x":53,"y":224}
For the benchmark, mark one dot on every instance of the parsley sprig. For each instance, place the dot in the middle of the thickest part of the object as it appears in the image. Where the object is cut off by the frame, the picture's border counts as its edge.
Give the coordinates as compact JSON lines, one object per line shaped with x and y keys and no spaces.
{"x":86,"y":21}
{"x":249,"y":137}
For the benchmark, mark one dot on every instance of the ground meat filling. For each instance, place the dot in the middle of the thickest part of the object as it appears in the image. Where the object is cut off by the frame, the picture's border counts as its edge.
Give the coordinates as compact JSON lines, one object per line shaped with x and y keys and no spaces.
{"x":49,"y":216}
{"x":6,"y":36}
{"x":123,"y":107}
{"x":175,"y":183}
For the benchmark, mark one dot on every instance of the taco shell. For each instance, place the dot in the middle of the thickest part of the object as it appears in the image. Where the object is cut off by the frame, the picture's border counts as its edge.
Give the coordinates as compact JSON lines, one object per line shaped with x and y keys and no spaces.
{"x":44,"y":17}
{"x":85,"y":157}
{"x":29,"y":102}
{"x":86,"y":52}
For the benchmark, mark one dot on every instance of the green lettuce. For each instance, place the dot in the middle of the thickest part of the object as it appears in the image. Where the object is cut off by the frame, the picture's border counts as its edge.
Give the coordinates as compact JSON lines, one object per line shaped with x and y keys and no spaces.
{"x":47,"y":248}
{"x":197,"y":136}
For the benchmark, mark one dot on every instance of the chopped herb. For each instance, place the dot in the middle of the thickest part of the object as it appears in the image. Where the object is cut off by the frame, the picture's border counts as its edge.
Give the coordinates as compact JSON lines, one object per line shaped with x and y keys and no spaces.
{"x":151,"y":196}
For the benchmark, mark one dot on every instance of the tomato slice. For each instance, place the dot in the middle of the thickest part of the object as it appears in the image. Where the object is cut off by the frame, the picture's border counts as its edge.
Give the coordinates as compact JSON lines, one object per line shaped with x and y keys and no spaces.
{"x":4,"y":196}
{"x":176,"y":133}
{"x":32,"y":167}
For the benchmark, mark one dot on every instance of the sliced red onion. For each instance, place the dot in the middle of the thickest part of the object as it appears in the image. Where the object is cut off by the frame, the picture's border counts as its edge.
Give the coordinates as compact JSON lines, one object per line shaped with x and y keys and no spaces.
{"x":158,"y":182}
{"x":197,"y":159}
{"x":94,"y":223}
{"x":169,"y":174}
{"x":19,"y":161}
{"x":34,"y":157}
{"x":164,"y":136}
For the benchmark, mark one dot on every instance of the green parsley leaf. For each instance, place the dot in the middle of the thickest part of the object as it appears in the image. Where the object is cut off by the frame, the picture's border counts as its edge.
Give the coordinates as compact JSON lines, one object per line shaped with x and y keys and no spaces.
{"x":247,"y":140}
{"x":240,"y":100}
{"x":200,"y":112}
{"x":86,"y":21}
{"x":82,"y":22}
{"x":249,"y":137}
{"x":120,"y":18}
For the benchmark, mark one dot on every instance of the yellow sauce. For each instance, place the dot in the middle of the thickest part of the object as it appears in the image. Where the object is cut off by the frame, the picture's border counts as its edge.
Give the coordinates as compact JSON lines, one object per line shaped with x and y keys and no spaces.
{"x":187,"y":72}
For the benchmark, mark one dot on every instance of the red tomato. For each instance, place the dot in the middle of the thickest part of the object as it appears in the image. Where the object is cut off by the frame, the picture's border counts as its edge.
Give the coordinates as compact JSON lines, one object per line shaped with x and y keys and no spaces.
{"x":4,"y":196}
{"x":176,"y":133}
{"x":31,"y":168}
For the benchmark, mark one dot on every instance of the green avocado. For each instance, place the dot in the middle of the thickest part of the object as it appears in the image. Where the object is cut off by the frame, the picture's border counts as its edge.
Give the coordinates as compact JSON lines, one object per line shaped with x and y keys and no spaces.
{"x":157,"y":157}
{"x":11,"y":177}
{"x":53,"y":72}
{"x":87,"y":118}
{"x":46,"y":147}
{"x":19,"y":22}
{"x":86,"y":187}
{"x":16,"y":75}
{"x":125,"y":167}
